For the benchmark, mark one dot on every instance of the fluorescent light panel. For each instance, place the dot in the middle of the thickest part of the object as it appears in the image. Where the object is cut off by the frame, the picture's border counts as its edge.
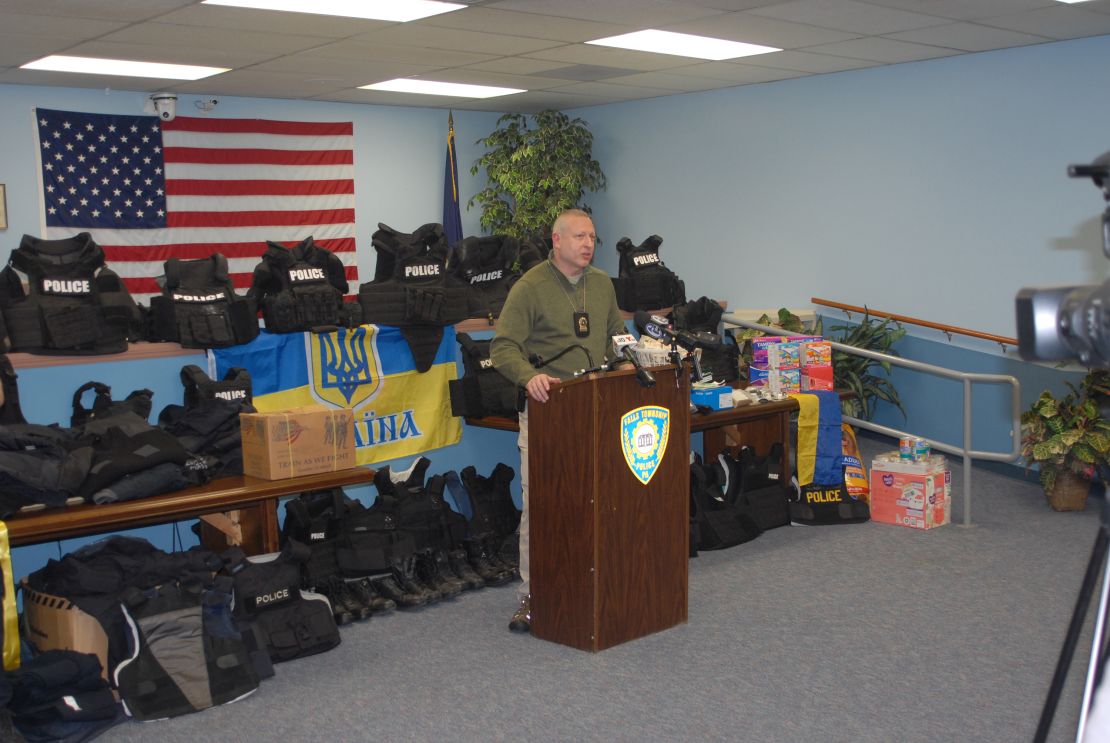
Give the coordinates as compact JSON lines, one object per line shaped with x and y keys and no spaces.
{"x":379,"y":10}
{"x":432,"y":87}
{"x":683,"y":45}
{"x":127,"y":68}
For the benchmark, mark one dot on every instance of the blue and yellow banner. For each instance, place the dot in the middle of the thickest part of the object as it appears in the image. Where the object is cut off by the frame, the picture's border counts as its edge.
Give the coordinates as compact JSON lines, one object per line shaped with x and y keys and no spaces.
{"x":399,"y":412}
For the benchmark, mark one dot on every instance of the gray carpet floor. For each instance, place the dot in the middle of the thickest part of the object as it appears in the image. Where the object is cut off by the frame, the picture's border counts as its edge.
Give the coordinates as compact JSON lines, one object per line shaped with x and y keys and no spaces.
{"x":858,"y":633}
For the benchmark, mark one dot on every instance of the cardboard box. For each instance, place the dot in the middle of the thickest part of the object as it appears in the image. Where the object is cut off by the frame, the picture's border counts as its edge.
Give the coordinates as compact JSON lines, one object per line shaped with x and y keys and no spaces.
{"x":299,"y":441}
{"x":817,"y":378}
{"x":913,"y":494}
{"x":816,"y":354}
{"x":55,"y":623}
{"x":775,"y":353}
{"x":779,"y":381}
{"x":715,"y":398}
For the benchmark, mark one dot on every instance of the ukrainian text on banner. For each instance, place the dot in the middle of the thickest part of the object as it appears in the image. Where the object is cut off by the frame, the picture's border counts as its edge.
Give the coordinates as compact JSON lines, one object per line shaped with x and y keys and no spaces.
{"x":149,"y":190}
{"x":399,"y":412}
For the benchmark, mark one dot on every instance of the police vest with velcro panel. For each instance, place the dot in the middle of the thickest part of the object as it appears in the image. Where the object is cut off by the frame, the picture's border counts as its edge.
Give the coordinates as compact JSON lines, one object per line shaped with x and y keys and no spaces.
{"x":492,"y":511}
{"x":482,"y":391}
{"x":181,"y":660}
{"x":413,"y":290}
{"x":268,"y":593}
{"x":421,"y":511}
{"x":489,"y":266}
{"x":370,"y":540}
{"x":310,"y":519}
{"x":643,"y":281}
{"x":199,"y":308}
{"x":235,"y":386}
{"x":301,"y":288}
{"x":72,"y":303}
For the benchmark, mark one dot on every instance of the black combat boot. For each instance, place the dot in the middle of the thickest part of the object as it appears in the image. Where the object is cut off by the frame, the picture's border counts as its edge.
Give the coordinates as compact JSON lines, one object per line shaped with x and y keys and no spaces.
{"x":459,"y":565}
{"x":367,"y":595}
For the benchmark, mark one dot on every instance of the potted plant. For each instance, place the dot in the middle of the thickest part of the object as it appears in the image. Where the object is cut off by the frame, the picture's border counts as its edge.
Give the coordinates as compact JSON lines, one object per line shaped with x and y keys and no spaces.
{"x":1068,"y":439}
{"x":536,"y":169}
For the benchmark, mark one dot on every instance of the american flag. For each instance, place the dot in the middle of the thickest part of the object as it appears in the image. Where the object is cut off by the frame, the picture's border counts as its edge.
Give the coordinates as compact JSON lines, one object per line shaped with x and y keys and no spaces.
{"x":150,"y":190}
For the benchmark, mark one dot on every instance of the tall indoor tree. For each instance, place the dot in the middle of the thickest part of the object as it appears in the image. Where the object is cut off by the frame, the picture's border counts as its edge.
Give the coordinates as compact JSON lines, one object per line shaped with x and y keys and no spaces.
{"x":536,"y":167}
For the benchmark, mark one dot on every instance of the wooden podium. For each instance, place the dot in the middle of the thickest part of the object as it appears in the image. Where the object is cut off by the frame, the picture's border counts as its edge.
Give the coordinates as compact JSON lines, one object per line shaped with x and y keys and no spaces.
{"x":609,"y":554}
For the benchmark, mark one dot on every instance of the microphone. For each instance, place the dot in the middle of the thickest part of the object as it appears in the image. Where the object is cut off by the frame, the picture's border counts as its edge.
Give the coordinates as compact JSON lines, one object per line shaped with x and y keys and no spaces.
{"x":660,"y":329}
{"x":622,"y":346}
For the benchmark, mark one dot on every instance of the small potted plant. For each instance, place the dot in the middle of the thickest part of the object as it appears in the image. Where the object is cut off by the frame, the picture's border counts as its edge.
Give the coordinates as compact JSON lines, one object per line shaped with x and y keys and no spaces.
{"x":1069,"y":440}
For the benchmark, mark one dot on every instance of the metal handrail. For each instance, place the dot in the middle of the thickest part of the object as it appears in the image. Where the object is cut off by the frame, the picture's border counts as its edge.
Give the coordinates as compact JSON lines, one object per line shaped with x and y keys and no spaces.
{"x":967,"y":378}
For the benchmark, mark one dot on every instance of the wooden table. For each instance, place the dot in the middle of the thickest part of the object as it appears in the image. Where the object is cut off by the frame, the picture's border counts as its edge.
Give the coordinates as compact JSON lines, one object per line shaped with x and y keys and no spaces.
{"x":254,"y":498}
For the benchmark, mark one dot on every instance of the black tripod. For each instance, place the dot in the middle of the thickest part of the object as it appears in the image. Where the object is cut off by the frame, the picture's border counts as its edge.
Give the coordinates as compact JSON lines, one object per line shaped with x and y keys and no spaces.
{"x":1096,"y":565}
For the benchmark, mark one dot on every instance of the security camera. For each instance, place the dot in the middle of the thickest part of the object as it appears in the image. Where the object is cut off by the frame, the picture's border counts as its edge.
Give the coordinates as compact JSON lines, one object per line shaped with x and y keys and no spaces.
{"x":165,"y":105}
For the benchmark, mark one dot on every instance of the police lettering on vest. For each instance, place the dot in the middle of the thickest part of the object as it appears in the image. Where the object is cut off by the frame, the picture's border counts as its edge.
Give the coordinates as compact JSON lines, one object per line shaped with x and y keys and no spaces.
{"x":62,"y":286}
{"x":199,"y":307}
{"x":302,"y":288}
{"x":643,"y":281}
{"x":489,"y":266}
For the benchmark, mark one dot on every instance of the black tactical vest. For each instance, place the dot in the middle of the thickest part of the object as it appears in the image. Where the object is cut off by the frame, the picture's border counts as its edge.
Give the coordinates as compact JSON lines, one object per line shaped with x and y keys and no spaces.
{"x":183,"y":660}
{"x":643,"y":282}
{"x":301,"y":288}
{"x":482,"y":391}
{"x":489,"y":266}
{"x":310,"y":519}
{"x":268,"y":592}
{"x":421,"y":511}
{"x":140,"y":402}
{"x":369,"y":540}
{"x":704,"y":315}
{"x":493,"y":513}
{"x":199,"y":307}
{"x":10,"y":410}
{"x":816,"y":504}
{"x":235,"y":386}
{"x":72,"y":304}
{"x":413,"y":290}
{"x":534,"y":251}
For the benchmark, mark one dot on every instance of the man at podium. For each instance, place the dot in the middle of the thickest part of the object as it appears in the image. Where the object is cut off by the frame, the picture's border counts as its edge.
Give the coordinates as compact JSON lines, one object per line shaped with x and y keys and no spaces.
{"x":557,"y":320}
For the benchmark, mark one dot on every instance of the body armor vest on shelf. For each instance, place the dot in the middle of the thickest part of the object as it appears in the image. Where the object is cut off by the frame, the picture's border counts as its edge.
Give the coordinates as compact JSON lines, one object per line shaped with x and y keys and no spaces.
{"x":39,"y":465}
{"x":413,"y":290}
{"x":268,"y":592}
{"x":534,"y":251}
{"x":644,"y":282}
{"x":704,"y":314}
{"x":186,"y":655}
{"x":489,"y":266}
{"x":301,"y":288}
{"x":73,"y":303}
{"x":482,"y":391}
{"x":421,"y":511}
{"x":493,"y":513}
{"x":139,"y":402}
{"x":235,"y":386}
{"x":199,"y":307}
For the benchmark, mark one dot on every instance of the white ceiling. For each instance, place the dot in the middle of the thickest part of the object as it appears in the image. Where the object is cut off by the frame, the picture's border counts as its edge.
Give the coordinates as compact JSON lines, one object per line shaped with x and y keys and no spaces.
{"x":532,"y":44}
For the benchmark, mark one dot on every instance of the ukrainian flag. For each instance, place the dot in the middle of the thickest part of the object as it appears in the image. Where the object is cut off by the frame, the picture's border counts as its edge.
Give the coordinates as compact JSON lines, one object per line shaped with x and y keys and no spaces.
{"x":399,"y":412}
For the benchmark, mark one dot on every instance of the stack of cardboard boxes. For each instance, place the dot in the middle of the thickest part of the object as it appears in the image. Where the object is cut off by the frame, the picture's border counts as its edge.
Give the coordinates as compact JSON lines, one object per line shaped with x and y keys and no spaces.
{"x":787,"y":364}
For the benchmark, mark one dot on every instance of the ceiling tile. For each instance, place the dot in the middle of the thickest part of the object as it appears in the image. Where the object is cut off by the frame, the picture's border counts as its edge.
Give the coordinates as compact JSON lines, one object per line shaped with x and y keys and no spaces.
{"x":737,"y":74}
{"x":365,"y":51}
{"x":69,"y":80}
{"x":151,"y":52}
{"x":605,"y":56}
{"x":756,"y":29}
{"x":118,"y":10}
{"x":848,"y":15}
{"x":16,"y":49}
{"x":968,"y":37}
{"x":888,"y":51}
{"x":471,"y":76}
{"x":265,"y":83}
{"x":41,"y":25}
{"x":517,"y":65}
{"x":1061,"y":22}
{"x":531,"y":25}
{"x":432,"y":37}
{"x":965,"y":10}
{"x":171,"y":36}
{"x":216,"y":16}
{"x":611,"y":91}
{"x":669,"y":81}
{"x":647,"y":13}
{"x":807,"y":62}
{"x":363,"y":70}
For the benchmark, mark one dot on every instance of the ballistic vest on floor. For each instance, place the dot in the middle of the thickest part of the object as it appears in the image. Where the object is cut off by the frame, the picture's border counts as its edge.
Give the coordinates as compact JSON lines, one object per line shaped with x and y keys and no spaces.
{"x":268,"y":592}
{"x":72,"y":304}
{"x":369,"y":540}
{"x":482,"y":391}
{"x":199,"y":307}
{"x":816,"y":505}
{"x":235,"y":386}
{"x":421,"y":511}
{"x":643,"y":281}
{"x":489,"y":266}
{"x":310,"y":519}
{"x":491,"y":503}
{"x":300,"y":288}
{"x":183,"y":660}
{"x":413,"y":290}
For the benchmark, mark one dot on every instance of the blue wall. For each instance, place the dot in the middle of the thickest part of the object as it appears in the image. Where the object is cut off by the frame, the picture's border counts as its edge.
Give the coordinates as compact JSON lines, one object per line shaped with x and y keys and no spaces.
{"x":933,"y":189}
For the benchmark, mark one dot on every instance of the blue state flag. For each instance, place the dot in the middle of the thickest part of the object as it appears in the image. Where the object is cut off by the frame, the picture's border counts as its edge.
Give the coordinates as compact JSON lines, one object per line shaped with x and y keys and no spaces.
{"x":452,"y":219}
{"x":399,"y":412}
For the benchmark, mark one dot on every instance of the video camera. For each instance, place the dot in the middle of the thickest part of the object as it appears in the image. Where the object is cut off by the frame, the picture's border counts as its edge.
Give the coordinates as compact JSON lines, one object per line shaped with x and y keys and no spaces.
{"x":1060,"y":323}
